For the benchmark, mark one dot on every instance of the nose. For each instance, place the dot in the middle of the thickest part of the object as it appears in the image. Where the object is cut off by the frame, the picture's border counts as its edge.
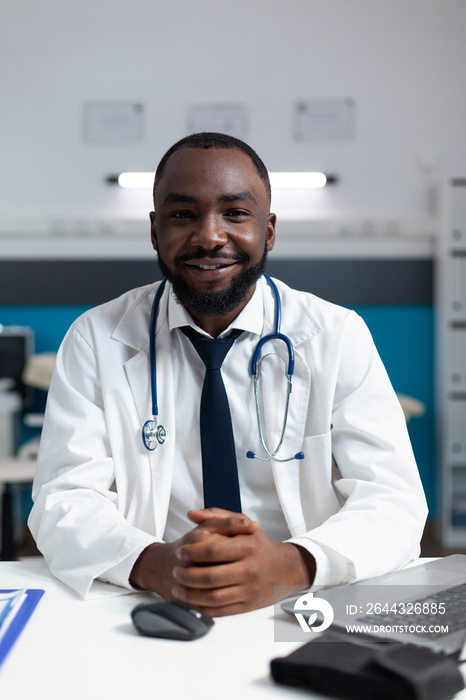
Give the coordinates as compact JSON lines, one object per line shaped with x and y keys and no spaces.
{"x":210,"y":232}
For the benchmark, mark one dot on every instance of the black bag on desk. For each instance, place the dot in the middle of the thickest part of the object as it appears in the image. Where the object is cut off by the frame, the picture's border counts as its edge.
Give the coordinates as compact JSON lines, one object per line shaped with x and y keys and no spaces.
{"x":383,"y":671}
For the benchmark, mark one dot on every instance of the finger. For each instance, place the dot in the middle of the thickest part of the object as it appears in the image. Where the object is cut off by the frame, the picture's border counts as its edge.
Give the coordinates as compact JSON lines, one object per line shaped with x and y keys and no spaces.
{"x":198,"y":535}
{"x":215,"y":550}
{"x":208,"y":577}
{"x":224,"y":601}
{"x":229,"y":525}
{"x":213,"y":599}
{"x":198,"y":516}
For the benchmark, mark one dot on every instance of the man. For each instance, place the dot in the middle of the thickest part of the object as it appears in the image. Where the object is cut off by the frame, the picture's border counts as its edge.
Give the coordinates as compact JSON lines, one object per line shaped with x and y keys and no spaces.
{"x":106,"y":508}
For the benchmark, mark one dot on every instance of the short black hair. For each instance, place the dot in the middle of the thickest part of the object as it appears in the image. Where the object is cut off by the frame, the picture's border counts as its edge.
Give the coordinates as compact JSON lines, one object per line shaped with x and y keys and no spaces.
{"x":213,"y":139}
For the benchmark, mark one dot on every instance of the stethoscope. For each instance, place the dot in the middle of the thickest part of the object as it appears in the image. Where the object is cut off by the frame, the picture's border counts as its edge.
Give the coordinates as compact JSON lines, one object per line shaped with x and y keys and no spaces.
{"x":154,"y":434}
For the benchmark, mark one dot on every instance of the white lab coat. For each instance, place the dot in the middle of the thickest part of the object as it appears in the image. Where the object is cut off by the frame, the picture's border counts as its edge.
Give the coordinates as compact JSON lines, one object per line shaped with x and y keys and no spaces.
{"x":100,"y":497}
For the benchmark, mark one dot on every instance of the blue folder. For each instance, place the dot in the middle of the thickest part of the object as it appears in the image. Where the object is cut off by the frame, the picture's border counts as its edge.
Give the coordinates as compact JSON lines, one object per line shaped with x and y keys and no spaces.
{"x":33,"y":595}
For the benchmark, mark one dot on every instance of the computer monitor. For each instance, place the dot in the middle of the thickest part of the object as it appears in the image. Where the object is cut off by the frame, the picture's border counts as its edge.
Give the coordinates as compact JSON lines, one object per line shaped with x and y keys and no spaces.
{"x":16,"y":345}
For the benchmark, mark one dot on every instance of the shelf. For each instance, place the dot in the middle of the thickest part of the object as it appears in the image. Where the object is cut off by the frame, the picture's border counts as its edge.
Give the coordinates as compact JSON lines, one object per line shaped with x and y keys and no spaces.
{"x":451,"y":367}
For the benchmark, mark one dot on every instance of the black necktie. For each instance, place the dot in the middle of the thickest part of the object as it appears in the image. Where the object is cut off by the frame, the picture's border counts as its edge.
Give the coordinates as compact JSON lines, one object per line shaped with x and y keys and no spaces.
{"x":219,"y":469}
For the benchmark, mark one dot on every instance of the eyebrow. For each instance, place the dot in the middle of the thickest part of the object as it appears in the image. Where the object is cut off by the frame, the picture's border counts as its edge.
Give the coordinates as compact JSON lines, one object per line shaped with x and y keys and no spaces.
{"x":175,"y":197}
{"x":238,"y":196}
{"x":179,"y":197}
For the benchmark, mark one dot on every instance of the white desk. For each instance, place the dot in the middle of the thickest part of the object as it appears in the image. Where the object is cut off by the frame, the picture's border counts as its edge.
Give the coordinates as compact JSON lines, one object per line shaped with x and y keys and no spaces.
{"x":89,"y":650}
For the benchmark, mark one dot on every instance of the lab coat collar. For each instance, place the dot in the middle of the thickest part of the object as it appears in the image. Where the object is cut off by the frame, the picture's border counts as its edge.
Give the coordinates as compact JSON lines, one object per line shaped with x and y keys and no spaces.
{"x":133,"y":329}
{"x":298,"y":322}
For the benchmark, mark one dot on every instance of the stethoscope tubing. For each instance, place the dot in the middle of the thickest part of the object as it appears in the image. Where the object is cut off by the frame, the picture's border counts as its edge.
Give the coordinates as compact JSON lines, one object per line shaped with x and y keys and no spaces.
{"x":153,"y":434}
{"x":152,"y":358}
{"x":276,"y":335}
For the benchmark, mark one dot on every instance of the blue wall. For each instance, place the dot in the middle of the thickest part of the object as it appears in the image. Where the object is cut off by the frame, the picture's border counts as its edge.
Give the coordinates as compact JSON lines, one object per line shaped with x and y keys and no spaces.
{"x":404,"y":336}
{"x":49,"y":323}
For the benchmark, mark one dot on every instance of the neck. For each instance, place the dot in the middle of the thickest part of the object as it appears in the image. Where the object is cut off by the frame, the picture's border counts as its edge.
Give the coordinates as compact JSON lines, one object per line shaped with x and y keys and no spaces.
{"x":214,"y":325}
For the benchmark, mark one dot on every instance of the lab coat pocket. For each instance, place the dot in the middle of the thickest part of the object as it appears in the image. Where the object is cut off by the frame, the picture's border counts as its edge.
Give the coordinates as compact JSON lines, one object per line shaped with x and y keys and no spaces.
{"x":316,"y":477}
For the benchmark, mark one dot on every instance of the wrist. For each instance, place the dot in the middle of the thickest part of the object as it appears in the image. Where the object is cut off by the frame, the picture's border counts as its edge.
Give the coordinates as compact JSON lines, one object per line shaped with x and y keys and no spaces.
{"x":307,"y":567}
{"x":146,"y":569}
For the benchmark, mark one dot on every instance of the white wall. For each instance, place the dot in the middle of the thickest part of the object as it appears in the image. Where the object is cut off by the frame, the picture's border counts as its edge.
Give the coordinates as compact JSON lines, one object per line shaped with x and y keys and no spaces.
{"x":402,"y":61}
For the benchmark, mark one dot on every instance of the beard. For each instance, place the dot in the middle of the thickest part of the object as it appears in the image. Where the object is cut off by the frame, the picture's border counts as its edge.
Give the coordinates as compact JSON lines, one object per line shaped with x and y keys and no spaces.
{"x":214,"y":303}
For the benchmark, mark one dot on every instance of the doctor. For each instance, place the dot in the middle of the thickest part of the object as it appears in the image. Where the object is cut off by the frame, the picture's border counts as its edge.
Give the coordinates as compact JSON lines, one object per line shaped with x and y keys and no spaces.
{"x":108,"y":509}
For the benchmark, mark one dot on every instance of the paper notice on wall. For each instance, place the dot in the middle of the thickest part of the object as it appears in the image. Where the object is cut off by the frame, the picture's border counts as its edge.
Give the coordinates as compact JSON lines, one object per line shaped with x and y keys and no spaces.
{"x":324,"y":120}
{"x":228,"y":119}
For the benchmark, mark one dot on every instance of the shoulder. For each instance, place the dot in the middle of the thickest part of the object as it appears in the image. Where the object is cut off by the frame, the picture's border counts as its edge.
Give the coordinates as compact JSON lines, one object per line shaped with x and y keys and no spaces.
{"x":304,"y":308}
{"x":336,"y":338}
{"x":133,"y":306}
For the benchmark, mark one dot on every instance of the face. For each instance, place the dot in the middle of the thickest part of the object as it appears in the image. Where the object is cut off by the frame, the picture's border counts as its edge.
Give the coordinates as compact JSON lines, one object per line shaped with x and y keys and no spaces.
{"x":212,"y":229}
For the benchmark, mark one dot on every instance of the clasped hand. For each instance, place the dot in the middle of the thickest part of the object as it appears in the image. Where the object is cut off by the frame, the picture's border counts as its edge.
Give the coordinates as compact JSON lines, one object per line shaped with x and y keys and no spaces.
{"x":224,"y":565}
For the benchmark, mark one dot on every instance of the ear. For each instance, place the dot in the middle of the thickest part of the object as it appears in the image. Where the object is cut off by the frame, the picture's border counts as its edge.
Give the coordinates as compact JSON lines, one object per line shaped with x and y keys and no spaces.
{"x":153,"y":235}
{"x":271,"y":223}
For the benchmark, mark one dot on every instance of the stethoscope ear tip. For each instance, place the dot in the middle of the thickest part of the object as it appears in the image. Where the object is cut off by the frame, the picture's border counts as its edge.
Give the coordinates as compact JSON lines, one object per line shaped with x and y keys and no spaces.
{"x":250,"y":455}
{"x":299,"y":455}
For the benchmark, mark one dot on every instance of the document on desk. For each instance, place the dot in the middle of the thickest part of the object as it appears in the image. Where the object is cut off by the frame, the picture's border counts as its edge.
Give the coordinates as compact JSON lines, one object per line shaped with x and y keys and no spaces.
{"x":16,"y":607}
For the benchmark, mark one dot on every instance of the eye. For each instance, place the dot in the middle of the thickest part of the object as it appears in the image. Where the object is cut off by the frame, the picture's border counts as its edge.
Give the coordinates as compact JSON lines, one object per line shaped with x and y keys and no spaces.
{"x":237,"y":213}
{"x":180,"y":214}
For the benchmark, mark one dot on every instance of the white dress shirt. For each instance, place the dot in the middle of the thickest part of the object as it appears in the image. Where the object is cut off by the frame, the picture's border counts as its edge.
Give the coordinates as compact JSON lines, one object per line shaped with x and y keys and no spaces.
{"x":259,"y":498}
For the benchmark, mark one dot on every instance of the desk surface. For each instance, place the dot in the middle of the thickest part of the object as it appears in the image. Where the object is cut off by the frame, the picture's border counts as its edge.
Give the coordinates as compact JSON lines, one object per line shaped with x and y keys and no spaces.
{"x":89,"y":649}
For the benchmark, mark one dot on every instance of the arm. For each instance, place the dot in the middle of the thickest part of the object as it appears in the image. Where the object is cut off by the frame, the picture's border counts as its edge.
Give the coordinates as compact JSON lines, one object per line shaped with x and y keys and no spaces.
{"x":382,"y":512}
{"x":77,"y":518}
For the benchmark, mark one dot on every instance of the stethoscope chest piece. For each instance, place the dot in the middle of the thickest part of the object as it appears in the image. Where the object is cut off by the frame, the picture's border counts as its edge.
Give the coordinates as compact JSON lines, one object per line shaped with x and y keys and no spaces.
{"x":153,"y":434}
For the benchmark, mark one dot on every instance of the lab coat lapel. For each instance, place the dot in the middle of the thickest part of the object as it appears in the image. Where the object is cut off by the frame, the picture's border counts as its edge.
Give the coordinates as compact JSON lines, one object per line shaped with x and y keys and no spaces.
{"x":299,"y":325}
{"x":286,"y":474}
{"x":160,"y":460}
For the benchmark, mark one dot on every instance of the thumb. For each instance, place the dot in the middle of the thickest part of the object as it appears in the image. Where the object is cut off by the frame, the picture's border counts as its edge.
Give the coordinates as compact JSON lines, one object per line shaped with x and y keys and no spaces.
{"x":198,"y":516}
{"x":223,"y":522}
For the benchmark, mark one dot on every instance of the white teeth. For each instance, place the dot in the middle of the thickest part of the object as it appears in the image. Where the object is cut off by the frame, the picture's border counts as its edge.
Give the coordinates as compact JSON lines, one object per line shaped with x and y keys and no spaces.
{"x":209,"y":267}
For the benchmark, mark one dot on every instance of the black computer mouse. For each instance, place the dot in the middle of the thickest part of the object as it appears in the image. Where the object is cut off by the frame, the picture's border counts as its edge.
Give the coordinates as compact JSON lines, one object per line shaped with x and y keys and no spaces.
{"x":171,"y":619}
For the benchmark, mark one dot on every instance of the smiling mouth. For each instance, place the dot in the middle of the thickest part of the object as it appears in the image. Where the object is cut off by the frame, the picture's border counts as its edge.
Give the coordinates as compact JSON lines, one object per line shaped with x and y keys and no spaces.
{"x":206,"y":261}
{"x":215,"y":266}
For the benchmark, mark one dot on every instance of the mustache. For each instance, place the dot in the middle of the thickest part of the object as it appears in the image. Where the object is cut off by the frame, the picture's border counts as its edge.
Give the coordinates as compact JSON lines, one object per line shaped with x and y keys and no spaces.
{"x":201,"y":253}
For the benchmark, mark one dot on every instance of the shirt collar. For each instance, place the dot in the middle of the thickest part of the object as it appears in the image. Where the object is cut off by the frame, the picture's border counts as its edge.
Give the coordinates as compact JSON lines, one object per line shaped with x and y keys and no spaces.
{"x":250,"y":319}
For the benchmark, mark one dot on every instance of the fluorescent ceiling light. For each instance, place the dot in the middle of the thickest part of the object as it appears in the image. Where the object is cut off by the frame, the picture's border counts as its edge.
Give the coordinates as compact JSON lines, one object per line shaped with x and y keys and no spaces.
{"x":277,"y":180}
{"x":136,"y":180}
